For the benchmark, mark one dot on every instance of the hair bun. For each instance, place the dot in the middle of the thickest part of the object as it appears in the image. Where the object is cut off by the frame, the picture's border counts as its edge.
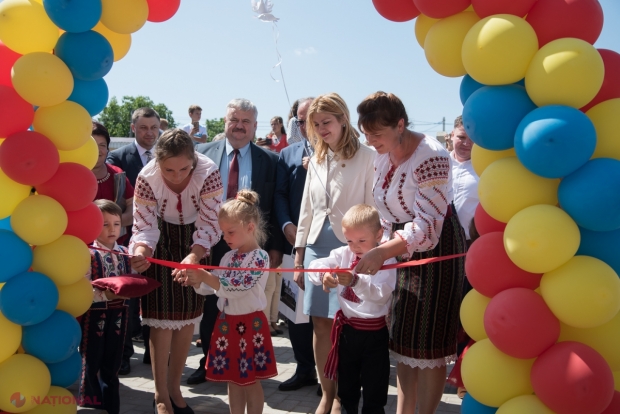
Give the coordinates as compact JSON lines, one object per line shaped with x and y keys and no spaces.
{"x":248,"y":196}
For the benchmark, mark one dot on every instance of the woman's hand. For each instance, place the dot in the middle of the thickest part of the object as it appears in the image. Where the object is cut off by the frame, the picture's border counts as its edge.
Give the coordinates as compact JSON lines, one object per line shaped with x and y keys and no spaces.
{"x":138,"y":260}
{"x":192,"y":258}
{"x":370,"y":263}
{"x":329,"y":282}
{"x":299,"y":264}
{"x":305,"y":161}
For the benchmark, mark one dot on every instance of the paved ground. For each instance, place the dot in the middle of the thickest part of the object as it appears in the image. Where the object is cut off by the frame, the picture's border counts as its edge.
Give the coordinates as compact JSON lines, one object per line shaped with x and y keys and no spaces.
{"x":137,"y":388}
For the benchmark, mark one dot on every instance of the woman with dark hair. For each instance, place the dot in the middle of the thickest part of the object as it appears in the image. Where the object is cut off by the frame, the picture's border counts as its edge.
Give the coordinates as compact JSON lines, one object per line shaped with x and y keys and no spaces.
{"x":412,"y":183}
{"x":178,"y":196}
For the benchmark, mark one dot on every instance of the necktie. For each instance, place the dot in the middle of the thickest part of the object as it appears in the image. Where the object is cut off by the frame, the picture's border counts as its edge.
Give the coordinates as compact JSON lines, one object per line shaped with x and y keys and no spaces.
{"x":149,"y":156}
{"x":233,"y":176}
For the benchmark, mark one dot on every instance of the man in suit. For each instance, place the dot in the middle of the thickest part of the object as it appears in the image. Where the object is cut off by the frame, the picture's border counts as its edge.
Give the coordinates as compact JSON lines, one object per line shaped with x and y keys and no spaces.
{"x":131,"y":158}
{"x":255,"y":168}
{"x":291,"y":176}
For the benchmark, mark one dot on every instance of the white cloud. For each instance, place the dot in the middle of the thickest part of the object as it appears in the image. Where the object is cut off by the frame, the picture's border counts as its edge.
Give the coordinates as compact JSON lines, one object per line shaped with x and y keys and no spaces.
{"x":298,"y":52}
{"x":307,"y":51}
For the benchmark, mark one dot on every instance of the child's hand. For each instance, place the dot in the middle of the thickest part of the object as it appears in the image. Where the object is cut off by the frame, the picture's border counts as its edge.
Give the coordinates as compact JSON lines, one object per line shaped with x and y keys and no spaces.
{"x":329,"y":282}
{"x":112,"y":296}
{"x":194,"y":277}
{"x":345,"y":278}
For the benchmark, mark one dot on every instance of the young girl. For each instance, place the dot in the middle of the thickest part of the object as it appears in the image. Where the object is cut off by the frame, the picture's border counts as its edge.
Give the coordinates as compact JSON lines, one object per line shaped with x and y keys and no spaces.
{"x":241,"y":352}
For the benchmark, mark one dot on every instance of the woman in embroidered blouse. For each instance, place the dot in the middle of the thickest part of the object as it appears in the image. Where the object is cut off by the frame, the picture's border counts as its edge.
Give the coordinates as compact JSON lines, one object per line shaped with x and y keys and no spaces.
{"x":177,"y":198}
{"x":339,"y":177}
{"x":412,"y":192}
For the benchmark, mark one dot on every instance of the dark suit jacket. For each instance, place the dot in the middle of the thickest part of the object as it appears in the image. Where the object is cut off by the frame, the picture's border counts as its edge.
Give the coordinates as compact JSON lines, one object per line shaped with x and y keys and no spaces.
{"x":290,"y":180}
{"x":263,"y":182}
{"x":127,"y":159}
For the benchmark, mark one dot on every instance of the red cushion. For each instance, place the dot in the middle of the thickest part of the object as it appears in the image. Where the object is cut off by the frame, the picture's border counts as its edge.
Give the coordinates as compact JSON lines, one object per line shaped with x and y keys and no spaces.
{"x":127,"y":286}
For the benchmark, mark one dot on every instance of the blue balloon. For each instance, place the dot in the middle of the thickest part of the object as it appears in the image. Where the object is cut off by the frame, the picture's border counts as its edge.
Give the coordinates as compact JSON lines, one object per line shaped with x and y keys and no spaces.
{"x":28,"y":298}
{"x":468,"y":86}
{"x":65,"y":373}
{"x":554,"y":141}
{"x":73,"y":16}
{"x":92,"y":95}
{"x":53,"y":340}
{"x":602,"y":245}
{"x":471,"y":406}
{"x":590,"y":195}
{"x":5,"y":224}
{"x":15,"y":255}
{"x":492,"y":114}
{"x":88,"y":55}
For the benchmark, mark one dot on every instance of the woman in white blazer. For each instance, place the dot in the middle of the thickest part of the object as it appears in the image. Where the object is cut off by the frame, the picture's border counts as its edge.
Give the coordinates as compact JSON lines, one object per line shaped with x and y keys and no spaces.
{"x":340,"y":176}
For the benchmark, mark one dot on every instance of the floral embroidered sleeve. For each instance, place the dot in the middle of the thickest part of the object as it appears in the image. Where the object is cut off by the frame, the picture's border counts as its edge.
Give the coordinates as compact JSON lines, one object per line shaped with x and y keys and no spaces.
{"x":330,"y":262}
{"x":145,"y":230}
{"x":430,"y":205}
{"x":235,"y":284}
{"x":208,"y":232}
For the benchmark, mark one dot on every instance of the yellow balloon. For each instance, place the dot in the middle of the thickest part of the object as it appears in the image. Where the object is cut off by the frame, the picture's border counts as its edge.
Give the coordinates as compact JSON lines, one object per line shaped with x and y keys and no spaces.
{"x":86,"y":155}
{"x":68,"y":125}
{"x":13,"y":193}
{"x":565,"y":72}
{"x":42,"y":79}
{"x":584,"y":292}
{"x":529,"y":404}
{"x":25,"y":27}
{"x":422,"y":25}
{"x":11,"y":338}
{"x":75,"y":299}
{"x":492,"y":377}
{"x":122,"y":16}
{"x":65,"y":260}
{"x":498,"y":49}
{"x":444,"y":41}
{"x":507,"y":187}
{"x":472,"y":314}
{"x":120,"y":42}
{"x":39,"y":220}
{"x":541,"y":238}
{"x":481,"y":158}
{"x":605,"y":339}
{"x":24,"y":378}
{"x":604,"y":116}
{"x":57,"y":401}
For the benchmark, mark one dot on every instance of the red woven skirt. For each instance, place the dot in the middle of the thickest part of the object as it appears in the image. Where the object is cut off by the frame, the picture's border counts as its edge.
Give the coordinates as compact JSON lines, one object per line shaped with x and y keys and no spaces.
{"x":241,"y":351}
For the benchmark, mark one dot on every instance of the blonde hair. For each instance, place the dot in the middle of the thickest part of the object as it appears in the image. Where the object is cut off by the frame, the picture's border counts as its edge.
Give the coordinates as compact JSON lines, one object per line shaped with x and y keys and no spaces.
{"x":244,"y":208}
{"x":362,"y":215}
{"x":333,"y":104}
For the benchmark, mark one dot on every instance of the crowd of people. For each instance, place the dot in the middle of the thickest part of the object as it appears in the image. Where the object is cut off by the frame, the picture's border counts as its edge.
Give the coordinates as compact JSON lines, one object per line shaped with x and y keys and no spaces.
{"x":318,"y":197}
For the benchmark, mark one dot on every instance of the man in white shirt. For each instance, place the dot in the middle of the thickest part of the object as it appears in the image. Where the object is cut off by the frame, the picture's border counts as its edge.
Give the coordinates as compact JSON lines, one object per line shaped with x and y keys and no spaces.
{"x":194,"y":129}
{"x":464,"y":178}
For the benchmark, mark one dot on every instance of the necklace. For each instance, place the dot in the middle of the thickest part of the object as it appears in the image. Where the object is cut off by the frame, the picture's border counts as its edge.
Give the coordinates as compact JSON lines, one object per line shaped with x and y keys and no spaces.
{"x":104,"y":179}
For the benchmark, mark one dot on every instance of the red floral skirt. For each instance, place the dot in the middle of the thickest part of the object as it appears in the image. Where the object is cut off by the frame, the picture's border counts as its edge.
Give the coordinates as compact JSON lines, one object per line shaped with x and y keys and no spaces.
{"x":241,"y":351}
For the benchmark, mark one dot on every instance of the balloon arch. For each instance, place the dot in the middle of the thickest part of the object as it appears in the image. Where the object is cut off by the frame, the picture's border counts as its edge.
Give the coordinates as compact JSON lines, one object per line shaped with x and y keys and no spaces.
{"x":540,"y":103}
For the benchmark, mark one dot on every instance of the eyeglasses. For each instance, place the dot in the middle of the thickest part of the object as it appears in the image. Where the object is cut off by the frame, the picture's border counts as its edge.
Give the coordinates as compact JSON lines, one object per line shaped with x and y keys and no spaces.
{"x":300,"y":123}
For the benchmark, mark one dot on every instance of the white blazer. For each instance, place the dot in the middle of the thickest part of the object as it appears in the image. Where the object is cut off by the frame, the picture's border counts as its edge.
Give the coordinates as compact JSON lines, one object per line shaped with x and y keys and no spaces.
{"x":351,"y":184}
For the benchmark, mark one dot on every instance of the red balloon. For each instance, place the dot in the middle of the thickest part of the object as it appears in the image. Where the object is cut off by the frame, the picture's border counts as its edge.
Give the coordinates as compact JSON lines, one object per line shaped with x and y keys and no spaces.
{"x":490,"y":270}
{"x":73,"y":186}
{"x":29,"y":158}
{"x":438,"y":9}
{"x":7,"y":59}
{"x":85,"y":224}
{"x":556,"y":19}
{"x":396,"y":10}
{"x":486,"y":8}
{"x":572,"y":378}
{"x":520,"y":324}
{"x":614,"y":407}
{"x":611,"y":82}
{"x":485,"y":223}
{"x":15,"y":113}
{"x":162,"y":10}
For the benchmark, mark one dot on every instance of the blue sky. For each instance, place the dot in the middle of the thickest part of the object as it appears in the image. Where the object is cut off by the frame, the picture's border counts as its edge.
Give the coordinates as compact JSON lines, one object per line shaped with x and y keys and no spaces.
{"x":213,"y":51}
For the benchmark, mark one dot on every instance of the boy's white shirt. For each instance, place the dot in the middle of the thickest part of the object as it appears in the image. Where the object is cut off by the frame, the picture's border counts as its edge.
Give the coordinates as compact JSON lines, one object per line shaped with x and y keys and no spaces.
{"x":375,"y":291}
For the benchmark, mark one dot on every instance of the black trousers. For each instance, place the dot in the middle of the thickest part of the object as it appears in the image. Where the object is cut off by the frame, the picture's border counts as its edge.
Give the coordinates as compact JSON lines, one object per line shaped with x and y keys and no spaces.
{"x":364,"y":363}
{"x":103,"y":336}
{"x":301,"y":336}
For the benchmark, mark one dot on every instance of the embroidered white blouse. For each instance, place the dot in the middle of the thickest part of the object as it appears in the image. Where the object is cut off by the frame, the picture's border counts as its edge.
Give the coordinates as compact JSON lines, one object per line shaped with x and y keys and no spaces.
{"x":368,"y":296}
{"x":417,"y":192}
{"x":241,"y":291}
{"x":198,"y":203}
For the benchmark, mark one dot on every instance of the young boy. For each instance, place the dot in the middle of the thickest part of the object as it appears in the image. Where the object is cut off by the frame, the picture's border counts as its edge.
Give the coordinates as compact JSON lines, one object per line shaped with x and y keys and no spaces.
{"x":104,"y":325}
{"x":194,"y":129}
{"x":359,"y":357}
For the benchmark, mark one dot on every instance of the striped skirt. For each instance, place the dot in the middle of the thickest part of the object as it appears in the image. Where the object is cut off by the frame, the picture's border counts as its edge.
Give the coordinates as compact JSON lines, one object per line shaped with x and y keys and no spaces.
{"x":171,"y":306}
{"x":424,"y":319}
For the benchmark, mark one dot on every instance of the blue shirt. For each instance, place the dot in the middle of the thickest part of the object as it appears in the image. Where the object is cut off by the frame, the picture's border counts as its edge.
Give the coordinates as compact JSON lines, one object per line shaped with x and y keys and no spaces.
{"x":245,"y":167}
